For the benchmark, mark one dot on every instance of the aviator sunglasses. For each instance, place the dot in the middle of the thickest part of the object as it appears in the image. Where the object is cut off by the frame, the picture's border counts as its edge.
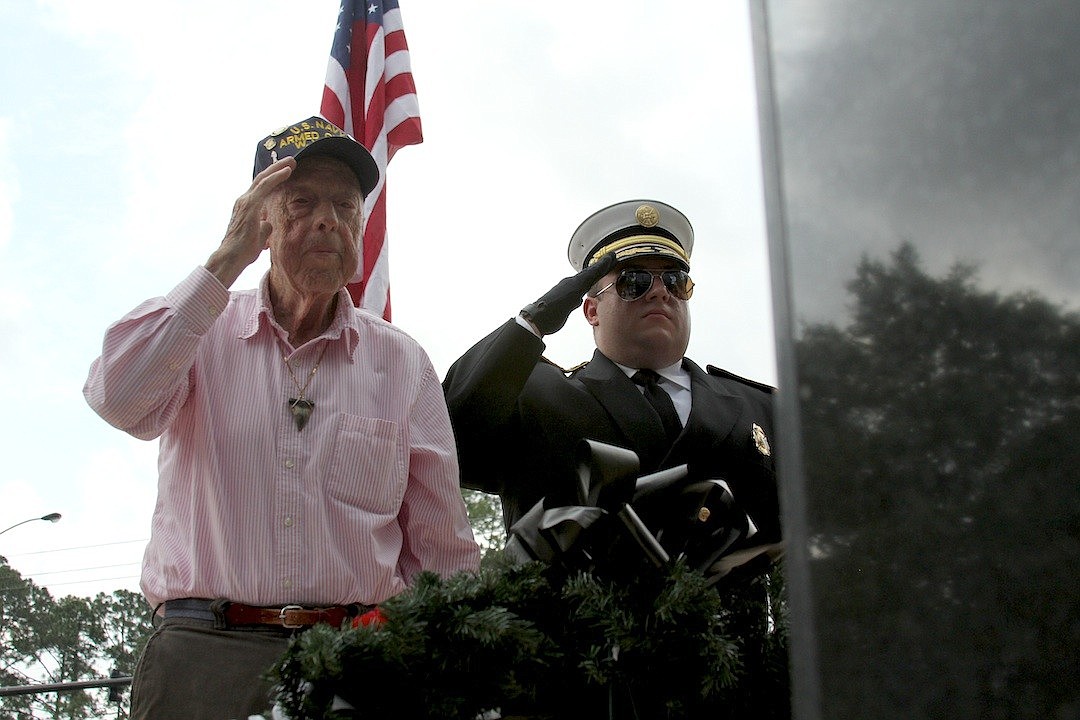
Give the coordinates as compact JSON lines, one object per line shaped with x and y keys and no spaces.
{"x":634,"y":283}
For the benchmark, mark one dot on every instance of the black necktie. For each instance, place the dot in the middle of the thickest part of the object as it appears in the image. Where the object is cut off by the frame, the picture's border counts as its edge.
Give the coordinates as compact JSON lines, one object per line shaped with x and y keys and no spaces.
{"x":660,"y":401}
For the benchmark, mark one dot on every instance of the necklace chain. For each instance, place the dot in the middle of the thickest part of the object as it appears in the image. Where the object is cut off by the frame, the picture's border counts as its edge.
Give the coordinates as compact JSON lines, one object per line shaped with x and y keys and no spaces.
{"x":303,"y":388}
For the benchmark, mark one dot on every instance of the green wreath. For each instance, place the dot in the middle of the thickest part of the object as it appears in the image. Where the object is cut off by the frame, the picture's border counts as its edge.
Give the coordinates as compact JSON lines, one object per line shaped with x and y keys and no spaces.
{"x":521,"y":641}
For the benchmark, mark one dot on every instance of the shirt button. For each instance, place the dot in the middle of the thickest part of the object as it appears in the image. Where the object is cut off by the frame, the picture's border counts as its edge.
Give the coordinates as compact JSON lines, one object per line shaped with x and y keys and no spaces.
{"x":213,"y":310}
{"x":288,"y":522}
{"x":286,"y":583}
{"x":290,"y":464}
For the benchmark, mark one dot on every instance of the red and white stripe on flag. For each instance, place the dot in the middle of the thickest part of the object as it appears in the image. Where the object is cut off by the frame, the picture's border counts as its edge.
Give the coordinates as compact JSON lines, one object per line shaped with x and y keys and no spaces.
{"x":369,"y":93}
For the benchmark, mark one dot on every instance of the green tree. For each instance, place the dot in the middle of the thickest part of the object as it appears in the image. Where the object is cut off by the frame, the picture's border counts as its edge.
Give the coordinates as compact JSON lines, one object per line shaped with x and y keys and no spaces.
{"x":43,"y":640}
{"x":70,"y":635}
{"x":940,"y":432}
{"x":485,"y":516}
{"x":20,"y":602}
{"x":128,"y":623}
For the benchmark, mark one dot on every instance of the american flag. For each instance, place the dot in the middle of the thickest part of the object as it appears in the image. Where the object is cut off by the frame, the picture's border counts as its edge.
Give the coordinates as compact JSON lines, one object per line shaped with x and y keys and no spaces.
{"x":369,"y":93}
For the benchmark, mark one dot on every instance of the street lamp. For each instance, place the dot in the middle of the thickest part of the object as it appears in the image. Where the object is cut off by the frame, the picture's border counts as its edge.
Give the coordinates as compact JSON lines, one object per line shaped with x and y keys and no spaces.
{"x":51,"y":517}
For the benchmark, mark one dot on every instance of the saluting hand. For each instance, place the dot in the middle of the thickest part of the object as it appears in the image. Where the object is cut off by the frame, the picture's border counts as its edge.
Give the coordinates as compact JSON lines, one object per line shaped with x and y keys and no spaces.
{"x":249,"y":229}
{"x":549,"y":313}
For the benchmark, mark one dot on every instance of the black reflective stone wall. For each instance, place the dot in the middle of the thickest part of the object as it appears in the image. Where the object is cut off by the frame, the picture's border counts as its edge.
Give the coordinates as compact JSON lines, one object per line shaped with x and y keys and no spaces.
{"x":922,"y":175}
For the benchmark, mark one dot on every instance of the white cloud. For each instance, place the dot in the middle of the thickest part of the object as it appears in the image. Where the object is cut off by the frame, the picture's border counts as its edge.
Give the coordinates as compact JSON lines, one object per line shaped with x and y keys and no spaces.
{"x":9,"y":186}
{"x":14,"y":299}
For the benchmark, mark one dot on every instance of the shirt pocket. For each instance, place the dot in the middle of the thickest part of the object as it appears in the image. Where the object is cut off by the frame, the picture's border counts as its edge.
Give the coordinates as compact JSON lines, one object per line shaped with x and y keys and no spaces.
{"x":368,"y":468}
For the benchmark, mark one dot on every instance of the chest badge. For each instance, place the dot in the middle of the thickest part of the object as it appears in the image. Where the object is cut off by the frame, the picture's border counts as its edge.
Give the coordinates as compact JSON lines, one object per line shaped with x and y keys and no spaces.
{"x":760,"y":441}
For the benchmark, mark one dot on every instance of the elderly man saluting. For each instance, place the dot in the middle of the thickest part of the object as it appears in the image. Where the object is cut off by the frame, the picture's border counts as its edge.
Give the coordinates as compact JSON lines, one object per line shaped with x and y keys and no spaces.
{"x":307,"y":466}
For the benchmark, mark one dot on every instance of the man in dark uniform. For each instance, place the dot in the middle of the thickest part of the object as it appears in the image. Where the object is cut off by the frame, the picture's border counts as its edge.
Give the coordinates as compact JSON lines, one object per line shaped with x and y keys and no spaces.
{"x":519,"y":419}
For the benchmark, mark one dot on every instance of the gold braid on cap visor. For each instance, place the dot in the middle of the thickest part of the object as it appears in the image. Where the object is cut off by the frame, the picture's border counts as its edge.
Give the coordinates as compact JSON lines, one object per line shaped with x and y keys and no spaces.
{"x":658,"y":243}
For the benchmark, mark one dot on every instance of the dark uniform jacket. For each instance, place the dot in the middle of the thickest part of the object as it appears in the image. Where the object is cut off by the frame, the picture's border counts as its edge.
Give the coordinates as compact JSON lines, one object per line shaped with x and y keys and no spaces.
{"x":519,"y":421}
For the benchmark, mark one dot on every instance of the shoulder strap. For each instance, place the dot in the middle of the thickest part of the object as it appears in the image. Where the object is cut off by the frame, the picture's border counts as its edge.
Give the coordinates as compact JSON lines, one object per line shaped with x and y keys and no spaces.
{"x":565,"y":371}
{"x":720,"y":372}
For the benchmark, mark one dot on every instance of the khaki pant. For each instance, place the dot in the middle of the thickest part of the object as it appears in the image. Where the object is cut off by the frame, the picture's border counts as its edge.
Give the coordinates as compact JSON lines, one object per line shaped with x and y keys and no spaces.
{"x":191,"y":671}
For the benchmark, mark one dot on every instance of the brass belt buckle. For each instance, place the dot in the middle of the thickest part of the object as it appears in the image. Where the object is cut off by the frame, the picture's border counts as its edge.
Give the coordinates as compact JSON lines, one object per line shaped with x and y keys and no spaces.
{"x":288,"y":608}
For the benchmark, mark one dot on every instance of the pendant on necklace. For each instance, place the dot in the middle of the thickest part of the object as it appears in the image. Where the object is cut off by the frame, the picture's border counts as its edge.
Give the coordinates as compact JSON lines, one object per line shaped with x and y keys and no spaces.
{"x":301,"y":411}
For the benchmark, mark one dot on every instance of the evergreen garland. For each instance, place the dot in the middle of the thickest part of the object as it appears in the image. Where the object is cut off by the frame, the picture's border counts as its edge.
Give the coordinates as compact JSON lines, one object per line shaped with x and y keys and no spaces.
{"x":527,"y":641}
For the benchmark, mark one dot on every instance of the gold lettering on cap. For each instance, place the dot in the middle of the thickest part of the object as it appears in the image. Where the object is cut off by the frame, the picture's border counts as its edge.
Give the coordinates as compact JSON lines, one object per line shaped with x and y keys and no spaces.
{"x":300,"y":139}
{"x":328,"y":128}
{"x":303,"y":134}
{"x":647,"y":216}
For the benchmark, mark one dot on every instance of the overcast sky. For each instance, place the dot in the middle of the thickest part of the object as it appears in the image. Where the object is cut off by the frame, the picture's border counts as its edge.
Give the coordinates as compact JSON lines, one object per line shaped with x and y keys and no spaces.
{"x":128,"y":128}
{"x":951,"y":125}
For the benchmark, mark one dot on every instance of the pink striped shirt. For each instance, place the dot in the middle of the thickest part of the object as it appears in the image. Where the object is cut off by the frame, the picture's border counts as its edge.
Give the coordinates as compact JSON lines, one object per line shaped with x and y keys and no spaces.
{"x":249,"y":508}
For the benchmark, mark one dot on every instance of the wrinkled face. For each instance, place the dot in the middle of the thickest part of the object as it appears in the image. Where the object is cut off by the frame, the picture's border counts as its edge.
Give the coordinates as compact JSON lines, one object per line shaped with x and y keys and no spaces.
{"x":650,"y":332}
{"x":316,"y":218}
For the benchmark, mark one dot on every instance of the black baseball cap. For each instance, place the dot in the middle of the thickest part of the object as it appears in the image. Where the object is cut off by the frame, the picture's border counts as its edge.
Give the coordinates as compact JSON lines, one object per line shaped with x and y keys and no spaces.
{"x":318,"y":136}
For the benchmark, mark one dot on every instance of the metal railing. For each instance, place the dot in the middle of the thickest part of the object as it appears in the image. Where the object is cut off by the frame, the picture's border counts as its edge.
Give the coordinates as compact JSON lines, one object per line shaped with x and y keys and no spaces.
{"x":13,"y":690}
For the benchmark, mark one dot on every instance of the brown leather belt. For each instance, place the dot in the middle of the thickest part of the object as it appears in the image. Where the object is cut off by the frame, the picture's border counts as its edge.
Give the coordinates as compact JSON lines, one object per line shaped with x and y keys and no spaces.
{"x":232,"y":614}
{"x":288,"y":616}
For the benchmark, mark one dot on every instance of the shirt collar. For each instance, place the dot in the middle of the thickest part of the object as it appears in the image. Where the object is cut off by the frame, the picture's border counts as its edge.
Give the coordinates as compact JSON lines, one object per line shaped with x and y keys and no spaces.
{"x":343,"y":326}
{"x":675,"y":374}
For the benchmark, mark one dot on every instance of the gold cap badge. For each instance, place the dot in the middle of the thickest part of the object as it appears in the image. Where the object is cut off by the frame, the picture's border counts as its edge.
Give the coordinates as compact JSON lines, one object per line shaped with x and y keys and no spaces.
{"x":647,"y":216}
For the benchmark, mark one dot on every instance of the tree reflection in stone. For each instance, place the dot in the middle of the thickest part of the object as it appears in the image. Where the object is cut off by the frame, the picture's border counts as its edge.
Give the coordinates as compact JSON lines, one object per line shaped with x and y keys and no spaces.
{"x":941,"y":433}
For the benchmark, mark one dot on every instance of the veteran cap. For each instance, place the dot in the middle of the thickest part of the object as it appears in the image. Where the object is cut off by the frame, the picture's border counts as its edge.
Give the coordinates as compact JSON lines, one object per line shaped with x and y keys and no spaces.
{"x":634,"y":228}
{"x":317,"y":136}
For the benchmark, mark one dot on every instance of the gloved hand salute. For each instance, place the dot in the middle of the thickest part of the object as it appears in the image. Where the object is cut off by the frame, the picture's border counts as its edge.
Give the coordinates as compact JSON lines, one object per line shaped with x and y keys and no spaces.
{"x":550,"y":312}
